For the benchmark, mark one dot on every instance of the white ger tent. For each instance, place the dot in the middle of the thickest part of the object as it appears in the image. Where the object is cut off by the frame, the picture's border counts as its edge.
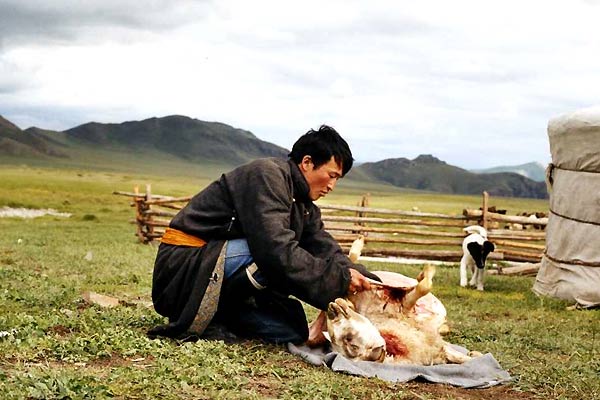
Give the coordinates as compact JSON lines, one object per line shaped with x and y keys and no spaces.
{"x":570,"y":267}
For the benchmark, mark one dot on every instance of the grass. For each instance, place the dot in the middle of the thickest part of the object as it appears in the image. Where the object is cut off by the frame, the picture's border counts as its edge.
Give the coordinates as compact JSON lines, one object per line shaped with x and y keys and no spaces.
{"x":54,"y":345}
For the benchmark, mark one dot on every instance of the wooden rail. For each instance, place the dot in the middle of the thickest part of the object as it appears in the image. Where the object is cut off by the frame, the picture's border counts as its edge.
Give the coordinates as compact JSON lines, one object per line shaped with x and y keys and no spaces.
{"x":387,"y":232}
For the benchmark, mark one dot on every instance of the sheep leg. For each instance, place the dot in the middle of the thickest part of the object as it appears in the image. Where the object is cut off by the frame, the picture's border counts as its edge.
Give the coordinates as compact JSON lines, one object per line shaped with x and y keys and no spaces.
{"x":463,"y":271}
{"x":480,"y":276}
{"x":356,"y":248}
{"x":425,"y":279}
{"x":454,"y":356}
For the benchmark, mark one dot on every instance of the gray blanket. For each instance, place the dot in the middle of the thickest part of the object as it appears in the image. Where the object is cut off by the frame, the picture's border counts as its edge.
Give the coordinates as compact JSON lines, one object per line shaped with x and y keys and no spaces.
{"x":480,"y":372}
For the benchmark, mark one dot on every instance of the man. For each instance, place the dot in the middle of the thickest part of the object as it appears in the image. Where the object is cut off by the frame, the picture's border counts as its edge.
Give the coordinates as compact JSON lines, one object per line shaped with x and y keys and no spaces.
{"x":249,"y":240}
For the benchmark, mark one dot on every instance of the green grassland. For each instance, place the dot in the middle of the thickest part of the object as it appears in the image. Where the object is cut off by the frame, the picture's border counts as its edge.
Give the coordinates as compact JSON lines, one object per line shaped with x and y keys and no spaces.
{"x":54,"y":345}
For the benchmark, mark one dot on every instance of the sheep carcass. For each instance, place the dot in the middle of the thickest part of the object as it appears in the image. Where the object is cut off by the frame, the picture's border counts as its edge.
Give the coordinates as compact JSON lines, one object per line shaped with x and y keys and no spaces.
{"x":397,"y":322}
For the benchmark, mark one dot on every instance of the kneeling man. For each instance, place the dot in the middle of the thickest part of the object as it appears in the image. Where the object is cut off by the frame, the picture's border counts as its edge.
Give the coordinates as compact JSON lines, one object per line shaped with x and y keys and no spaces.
{"x":236,"y":252}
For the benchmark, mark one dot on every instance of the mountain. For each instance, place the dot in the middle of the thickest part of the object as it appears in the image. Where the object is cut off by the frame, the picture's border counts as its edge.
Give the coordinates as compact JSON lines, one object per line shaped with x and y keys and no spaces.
{"x":176,"y":145}
{"x":428,"y":173}
{"x":179,"y":136}
{"x":31,"y":142}
{"x":532,"y":170}
{"x":171,"y":138}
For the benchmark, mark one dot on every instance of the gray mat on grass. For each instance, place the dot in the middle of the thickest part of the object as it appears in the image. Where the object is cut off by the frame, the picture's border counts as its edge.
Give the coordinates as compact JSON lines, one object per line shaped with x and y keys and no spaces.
{"x":480,"y":372}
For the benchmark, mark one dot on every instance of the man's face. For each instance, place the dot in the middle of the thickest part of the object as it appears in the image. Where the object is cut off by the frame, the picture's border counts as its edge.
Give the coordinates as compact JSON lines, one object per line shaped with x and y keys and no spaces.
{"x":320,"y":180}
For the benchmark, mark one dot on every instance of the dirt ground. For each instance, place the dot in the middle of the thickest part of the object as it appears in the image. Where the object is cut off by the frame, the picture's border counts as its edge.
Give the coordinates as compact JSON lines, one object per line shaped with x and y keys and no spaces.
{"x":437,"y":391}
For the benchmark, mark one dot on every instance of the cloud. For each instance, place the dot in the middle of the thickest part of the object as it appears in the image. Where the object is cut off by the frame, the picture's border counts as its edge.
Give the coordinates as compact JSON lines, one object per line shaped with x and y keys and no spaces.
{"x":66,"y":21}
{"x":13,"y":78}
{"x":467,"y":82}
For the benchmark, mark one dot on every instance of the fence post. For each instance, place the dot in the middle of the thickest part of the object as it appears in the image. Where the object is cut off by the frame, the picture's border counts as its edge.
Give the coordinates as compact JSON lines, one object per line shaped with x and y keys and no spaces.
{"x":484,"y":210}
{"x":149,"y":227}
{"x":366,"y":200}
{"x":363,"y":202}
{"x":139,"y":217}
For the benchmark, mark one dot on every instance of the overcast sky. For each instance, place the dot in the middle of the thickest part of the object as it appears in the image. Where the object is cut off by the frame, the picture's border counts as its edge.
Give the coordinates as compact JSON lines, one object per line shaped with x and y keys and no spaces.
{"x":472,"y":82}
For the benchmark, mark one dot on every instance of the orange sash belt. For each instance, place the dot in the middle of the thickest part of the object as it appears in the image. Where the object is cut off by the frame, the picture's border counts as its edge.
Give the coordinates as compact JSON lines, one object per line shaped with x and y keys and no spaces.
{"x":179,"y":238}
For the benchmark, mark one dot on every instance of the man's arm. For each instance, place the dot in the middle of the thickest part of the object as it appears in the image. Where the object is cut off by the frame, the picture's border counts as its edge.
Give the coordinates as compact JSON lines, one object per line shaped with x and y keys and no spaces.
{"x":263,"y":200}
{"x":321,"y":244}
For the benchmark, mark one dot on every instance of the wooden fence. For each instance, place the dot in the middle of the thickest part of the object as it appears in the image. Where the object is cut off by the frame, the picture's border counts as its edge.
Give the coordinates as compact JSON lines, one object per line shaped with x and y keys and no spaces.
{"x":433,"y":236}
{"x":153,"y":212}
{"x":387,"y":233}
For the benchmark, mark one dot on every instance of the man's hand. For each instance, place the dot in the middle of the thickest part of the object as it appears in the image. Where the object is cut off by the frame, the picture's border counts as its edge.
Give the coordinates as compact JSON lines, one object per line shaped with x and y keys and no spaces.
{"x":358,"y":282}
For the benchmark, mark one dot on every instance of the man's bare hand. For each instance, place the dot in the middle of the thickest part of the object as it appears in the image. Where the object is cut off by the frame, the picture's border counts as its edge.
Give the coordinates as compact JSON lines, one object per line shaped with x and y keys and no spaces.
{"x":358,"y":282}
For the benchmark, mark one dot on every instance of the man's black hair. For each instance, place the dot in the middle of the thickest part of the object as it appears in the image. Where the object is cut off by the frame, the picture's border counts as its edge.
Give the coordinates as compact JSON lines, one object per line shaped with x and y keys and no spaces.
{"x":321,"y":145}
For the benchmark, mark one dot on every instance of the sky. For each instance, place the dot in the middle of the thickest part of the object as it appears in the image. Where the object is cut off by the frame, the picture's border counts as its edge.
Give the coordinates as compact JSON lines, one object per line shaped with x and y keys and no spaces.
{"x":474,"y":83}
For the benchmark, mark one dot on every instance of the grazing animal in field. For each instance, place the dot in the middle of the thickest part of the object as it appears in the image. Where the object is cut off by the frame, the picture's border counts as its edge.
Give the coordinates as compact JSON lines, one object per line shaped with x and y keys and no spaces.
{"x":514,"y":226}
{"x":392,"y":323}
{"x":533,"y":218}
{"x":540,"y":215}
{"x":476,"y":248}
{"x":495,"y":210}
{"x":537,"y":216}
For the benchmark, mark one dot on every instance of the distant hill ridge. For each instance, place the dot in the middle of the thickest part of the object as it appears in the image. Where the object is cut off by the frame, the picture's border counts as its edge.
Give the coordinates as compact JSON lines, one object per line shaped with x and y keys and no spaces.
{"x":429,"y":173}
{"x":178,"y":136}
{"x":532,"y":170}
{"x":15,"y":142}
{"x":196,"y":143}
{"x":184,"y":137}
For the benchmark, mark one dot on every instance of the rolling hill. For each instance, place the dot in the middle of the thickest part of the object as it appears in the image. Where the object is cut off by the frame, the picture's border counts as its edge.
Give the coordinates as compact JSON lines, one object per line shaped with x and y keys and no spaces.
{"x":179,"y":145}
{"x":428,"y":173}
{"x":532,"y":170}
{"x":173,"y":145}
{"x":31,"y":142}
{"x":179,"y":136}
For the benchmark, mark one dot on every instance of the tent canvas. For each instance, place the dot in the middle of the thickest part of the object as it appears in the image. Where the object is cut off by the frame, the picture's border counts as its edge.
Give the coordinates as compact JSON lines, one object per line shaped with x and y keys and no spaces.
{"x":570,"y":267}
